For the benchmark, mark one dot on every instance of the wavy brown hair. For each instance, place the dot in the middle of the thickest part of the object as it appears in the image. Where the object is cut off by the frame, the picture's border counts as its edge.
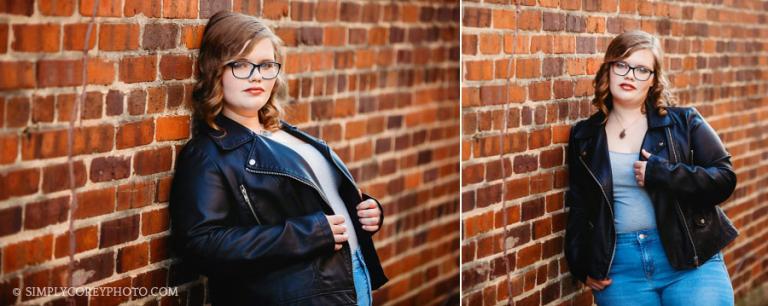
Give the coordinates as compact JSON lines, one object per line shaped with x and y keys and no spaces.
{"x":226,"y":36}
{"x":622,"y":47}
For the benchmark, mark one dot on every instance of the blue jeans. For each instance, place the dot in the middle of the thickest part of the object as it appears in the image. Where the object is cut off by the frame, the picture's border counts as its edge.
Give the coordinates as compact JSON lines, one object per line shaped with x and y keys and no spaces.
{"x":642,"y":276}
{"x":362,"y":279}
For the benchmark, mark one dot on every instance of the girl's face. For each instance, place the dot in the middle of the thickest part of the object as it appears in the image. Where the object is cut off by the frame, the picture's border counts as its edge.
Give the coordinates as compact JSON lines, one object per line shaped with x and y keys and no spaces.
{"x":632,"y":88}
{"x":246,"y":97}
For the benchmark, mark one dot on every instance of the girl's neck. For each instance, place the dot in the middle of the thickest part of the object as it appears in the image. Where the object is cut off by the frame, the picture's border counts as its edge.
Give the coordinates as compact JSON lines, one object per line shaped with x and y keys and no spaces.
{"x":251,"y":122}
{"x":627,"y":113}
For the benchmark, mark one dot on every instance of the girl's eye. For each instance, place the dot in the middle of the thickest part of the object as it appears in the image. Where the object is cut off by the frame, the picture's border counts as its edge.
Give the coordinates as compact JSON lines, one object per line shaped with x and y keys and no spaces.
{"x":238,"y":64}
{"x":621,"y":65}
{"x":643,"y":70}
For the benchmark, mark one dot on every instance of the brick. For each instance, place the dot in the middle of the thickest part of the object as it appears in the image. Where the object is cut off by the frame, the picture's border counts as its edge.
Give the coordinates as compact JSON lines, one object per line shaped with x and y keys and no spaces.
{"x":155,"y":99}
{"x":539,"y":91}
{"x":93,"y":139}
{"x":106,"y":8}
{"x":477,"y":17}
{"x":17,"y":7}
{"x":192,"y":35}
{"x":41,"y":214}
{"x":10,"y":221}
{"x":17,"y":75}
{"x":29,"y":252}
{"x":57,"y":73}
{"x":478,"y":70}
{"x":160,"y":36}
{"x":114,"y":103}
{"x":158,"y":249}
{"x":119,"y":37}
{"x":554,"y":21}
{"x":180,"y":9}
{"x":135,"y":134}
{"x":137,"y":101}
{"x":19,"y":182}
{"x":3,"y":38}
{"x":43,"y":108}
{"x":36,"y":37}
{"x":132,"y":257}
{"x":92,"y":106}
{"x":175,"y":67}
{"x":210,"y":7}
{"x":109,"y":168}
{"x":76,"y":34}
{"x":56,"y":177}
{"x":134,"y":194}
{"x":173,"y":128}
{"x":490,"y":43}
{"x":552,"y":67}
{"x":530,"y":20}
{"x":503,"y":19}
{"x":138,"y":69}
{"x":275,"y":9}
{"x":18,"y":110}
{"x":327,"y":11}
{"x":154,"y":222}
{"x":95,"y":203}
{"x":302,"y":11}
{"x":102,"y":264}
{"x":152,"y":161}
{"x":56,"y":7}
{"x":148,"y":8}
{"x":119,"y":231}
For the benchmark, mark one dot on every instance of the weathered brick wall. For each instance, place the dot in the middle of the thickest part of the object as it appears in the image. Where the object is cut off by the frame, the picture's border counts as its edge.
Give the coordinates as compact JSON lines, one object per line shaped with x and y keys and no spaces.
{"x":377,"y":79}
{"x":716,"y":57}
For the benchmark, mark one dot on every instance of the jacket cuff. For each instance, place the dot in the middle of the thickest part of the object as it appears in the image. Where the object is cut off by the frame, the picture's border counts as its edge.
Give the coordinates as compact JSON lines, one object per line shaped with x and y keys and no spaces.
{"x":656,"y":173}
{"x":381,"y":209}
{"x":328,"y":242}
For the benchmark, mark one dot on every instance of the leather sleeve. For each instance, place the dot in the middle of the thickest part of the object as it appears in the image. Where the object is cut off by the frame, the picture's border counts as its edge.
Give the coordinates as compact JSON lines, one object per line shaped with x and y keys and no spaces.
{"x":576,"y":235}
{"x":381,"y":208}
{"x":709,"y":179}
{"x":201,"y":207}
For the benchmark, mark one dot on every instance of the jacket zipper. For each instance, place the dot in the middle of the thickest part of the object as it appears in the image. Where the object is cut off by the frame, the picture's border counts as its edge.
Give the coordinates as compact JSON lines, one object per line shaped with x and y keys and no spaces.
{"x":677,"y":204}
{"x":613,"y":252}
{"x":248,"y":201}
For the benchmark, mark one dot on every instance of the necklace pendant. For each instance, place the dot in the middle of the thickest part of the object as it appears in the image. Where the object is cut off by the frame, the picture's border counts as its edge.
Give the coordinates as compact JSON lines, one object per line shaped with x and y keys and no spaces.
{"x":623,"y":133}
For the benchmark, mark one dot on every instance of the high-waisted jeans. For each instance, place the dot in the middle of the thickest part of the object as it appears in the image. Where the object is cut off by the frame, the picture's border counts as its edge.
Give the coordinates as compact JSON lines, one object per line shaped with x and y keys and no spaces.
{"x":362,"y":279}
{"x":642,"y":276}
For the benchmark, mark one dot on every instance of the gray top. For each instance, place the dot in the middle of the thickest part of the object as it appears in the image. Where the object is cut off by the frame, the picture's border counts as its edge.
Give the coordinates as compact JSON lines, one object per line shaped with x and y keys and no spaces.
{"x":633,"y":208}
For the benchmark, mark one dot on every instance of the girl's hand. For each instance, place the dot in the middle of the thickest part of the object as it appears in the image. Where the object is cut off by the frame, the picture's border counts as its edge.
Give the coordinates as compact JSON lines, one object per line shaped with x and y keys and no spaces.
{"x":598,"y":285}
{"x":368,"y":212}
{"x":640,"y":168}
{"x":338,"y":229}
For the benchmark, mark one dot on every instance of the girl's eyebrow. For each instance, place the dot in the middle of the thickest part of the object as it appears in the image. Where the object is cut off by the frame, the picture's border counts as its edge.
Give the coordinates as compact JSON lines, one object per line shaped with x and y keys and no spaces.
{"x":248,"y":60}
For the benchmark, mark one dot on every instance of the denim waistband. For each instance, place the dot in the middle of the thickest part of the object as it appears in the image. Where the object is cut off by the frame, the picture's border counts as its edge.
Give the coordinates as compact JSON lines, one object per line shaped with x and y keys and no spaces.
{"x":644,"y":235}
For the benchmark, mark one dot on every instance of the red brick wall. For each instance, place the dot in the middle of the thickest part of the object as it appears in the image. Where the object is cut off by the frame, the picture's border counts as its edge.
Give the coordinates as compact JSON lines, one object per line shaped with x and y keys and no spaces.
{"x":716,"y":57}
{"x":378,"y":80}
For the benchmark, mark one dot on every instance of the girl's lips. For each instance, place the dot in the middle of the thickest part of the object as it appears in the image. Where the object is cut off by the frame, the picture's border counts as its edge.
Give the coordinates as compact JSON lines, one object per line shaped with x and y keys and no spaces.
{"x":254,"y":91}
{"x":627,"y":87}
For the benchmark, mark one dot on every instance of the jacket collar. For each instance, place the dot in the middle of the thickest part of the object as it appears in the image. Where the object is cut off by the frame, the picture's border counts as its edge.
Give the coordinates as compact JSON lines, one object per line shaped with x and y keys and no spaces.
{"x":595,"y":123}
{"x":234,"y":135}
{"x":231,"y":135}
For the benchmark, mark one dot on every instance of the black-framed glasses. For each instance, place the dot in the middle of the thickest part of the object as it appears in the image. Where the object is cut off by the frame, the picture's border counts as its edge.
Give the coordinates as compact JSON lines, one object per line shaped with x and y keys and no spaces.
{"x":242,"y":69}
{"x":641,"y":73}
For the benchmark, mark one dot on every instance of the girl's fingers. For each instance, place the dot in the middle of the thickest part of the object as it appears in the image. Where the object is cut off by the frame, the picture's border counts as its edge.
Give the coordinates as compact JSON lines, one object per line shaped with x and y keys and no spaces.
{"x":370,"y":228}
{"x":369,"y":221}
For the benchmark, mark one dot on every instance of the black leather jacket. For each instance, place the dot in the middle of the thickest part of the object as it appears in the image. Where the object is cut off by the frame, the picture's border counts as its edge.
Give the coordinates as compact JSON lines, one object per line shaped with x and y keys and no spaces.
{"x":249,"y":214}
{"x":685,"y":189}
